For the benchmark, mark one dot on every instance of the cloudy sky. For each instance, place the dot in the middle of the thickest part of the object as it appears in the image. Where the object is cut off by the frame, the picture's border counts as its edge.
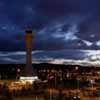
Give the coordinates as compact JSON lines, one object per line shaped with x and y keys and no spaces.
{"x":73,"y":57}
{"x":58,"y":25}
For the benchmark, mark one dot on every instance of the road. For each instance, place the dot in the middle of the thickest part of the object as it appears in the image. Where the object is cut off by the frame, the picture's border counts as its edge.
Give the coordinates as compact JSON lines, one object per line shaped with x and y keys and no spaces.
{"x":38,"y":98}
{"x":28,"y":98}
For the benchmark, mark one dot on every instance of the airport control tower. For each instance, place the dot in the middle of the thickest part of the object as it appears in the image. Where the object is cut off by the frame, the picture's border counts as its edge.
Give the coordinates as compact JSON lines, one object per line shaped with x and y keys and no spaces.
{"x":28,"y":46}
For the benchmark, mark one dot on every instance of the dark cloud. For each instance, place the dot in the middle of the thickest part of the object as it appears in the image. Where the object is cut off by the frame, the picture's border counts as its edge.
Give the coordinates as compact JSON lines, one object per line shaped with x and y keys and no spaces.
{"x":74,"y":57}
{"x":52,"y":20}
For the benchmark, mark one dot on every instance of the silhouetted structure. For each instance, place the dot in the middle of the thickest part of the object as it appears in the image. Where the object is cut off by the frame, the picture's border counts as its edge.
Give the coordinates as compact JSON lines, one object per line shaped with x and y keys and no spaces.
{"x":28,"y":45}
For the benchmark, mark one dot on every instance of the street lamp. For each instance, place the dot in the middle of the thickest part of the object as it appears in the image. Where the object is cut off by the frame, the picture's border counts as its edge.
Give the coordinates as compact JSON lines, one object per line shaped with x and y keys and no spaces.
{"x":76,"y":68}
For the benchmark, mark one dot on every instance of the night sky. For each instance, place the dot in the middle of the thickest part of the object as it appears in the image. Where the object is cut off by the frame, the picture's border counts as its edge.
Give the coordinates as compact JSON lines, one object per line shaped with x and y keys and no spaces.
{"x":65,"y":31}
{"x":57,"y":24}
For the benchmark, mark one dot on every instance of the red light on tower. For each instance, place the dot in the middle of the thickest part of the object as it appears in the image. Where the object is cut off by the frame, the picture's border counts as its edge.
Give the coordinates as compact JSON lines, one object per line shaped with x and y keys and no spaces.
{"x":28,"y":46}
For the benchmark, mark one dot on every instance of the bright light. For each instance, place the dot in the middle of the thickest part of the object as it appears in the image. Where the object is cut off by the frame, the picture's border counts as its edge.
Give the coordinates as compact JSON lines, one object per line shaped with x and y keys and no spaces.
{"x":76,"y":67}
{"x":92,"y":81}
{"x":98,"y":72}
{"x":18,"y":70}
{"x":29,"y":79}
{"x":74,"y":97}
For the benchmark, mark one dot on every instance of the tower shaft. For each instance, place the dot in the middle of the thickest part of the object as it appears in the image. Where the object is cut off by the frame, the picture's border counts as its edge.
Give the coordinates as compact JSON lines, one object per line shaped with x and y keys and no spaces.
{"x":28,"y":45}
